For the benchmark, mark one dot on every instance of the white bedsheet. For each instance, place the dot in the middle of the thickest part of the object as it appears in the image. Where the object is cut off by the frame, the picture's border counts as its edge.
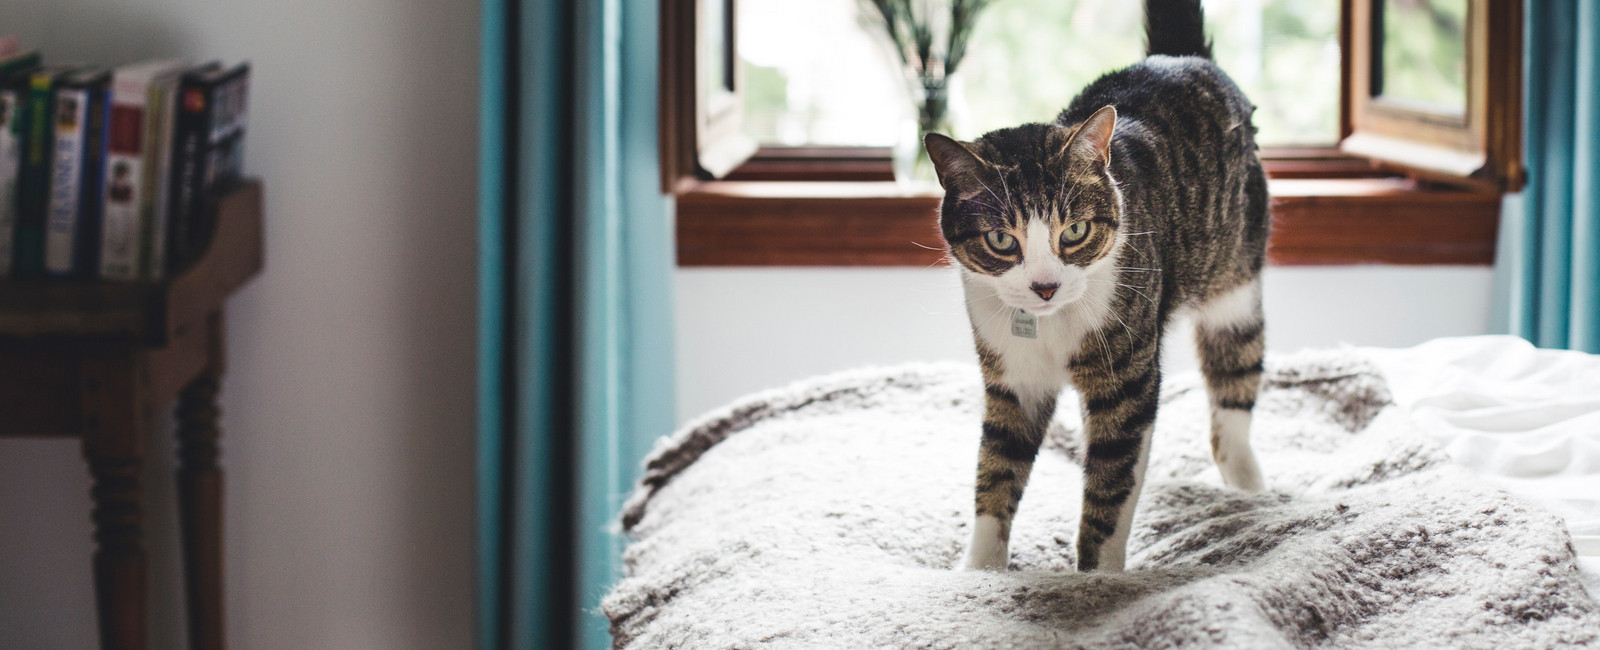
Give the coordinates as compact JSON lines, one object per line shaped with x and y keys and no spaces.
{"x":1525,"y":418}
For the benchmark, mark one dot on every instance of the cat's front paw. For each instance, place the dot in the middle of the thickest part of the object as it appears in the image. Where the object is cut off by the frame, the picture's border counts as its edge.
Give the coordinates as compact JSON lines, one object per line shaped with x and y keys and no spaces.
{"x":987,"y":552}
{"x":985,"y":560}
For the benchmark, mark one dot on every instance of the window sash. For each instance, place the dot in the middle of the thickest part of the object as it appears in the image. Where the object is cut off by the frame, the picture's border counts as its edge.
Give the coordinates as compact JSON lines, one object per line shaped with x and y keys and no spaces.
{"x":1480,"y":148}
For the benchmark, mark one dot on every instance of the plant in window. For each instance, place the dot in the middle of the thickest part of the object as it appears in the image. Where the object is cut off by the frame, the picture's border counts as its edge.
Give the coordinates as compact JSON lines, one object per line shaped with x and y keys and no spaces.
{"x":929,"y":38}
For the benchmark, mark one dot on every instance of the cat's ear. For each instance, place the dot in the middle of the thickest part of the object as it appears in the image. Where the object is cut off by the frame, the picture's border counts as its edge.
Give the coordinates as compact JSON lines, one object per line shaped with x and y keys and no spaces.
{"x":1092,"y":141}
{"x":956,"y":165}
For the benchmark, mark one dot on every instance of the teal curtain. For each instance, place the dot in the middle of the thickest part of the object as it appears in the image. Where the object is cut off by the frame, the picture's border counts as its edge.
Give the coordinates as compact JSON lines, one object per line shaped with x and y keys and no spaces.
{"x":575,"y":344}
{"x":1549,"y":255}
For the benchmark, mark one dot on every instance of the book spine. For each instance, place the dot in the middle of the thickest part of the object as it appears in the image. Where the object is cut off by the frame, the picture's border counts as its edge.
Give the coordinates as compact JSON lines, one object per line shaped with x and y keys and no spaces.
{"x":189,"y":160}
{"x":164,"y":103}
{"x":33,"y":185}
{"x":224,"y":153}
{"x":66,"y":178}
{"x":125,"y":194}
{"x":91,"y":189}
{"x":11,"y":145}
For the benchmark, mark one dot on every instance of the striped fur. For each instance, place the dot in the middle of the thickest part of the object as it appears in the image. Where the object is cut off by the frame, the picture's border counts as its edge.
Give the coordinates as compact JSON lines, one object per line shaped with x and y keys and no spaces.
{"x":1145,"y":197}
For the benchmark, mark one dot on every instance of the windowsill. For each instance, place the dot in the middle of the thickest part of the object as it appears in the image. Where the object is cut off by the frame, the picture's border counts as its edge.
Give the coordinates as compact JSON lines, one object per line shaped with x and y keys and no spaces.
{"x":1316,"y":221}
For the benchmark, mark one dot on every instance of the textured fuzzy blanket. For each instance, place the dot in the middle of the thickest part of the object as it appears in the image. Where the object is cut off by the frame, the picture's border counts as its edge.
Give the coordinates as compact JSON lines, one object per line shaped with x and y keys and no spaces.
{"x":828,"y":514}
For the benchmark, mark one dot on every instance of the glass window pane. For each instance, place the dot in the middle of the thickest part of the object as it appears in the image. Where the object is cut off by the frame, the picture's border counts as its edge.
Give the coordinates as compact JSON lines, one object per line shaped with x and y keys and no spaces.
{"x":1424,"y":54}
{"x":814,"y":74}
{"x":1284,"y":54}
{"x":1028,"y":58}
{"x":711,"y":34}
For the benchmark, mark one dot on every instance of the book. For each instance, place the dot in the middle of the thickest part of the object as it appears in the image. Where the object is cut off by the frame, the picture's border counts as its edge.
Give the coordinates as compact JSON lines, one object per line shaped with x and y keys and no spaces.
{"x":13,"y":94}
{"x":208,"y":149}
{"x":33,"y":176}
{"x":139,"y":107}
{"x":154,"y":240}
{"x":82,"y":110}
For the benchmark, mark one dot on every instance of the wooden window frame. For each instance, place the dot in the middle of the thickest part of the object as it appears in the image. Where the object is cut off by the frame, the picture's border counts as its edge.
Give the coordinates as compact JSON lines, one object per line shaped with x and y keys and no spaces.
{"x":1479,"y":149}
{"x":838,"y":206}
{"x":701,"y":125}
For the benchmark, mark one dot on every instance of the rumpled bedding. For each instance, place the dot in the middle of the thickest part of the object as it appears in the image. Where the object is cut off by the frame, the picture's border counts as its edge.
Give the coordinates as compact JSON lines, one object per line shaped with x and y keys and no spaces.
{"x":1525,"y":418}
{"x":828,"y":514}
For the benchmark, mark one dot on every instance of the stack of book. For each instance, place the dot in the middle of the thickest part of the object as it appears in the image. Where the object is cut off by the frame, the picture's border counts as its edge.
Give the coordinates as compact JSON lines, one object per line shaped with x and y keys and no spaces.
{"x":112,"y":173}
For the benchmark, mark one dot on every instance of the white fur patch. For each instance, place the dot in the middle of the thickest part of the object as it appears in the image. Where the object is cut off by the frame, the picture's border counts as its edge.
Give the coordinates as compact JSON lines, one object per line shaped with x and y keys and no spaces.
{"x":988,"y":551}
{"x":1039,"y":252}
{"x":1036,"y":368}
{"x":1230,"y":447}
{"x":1232,"y":308}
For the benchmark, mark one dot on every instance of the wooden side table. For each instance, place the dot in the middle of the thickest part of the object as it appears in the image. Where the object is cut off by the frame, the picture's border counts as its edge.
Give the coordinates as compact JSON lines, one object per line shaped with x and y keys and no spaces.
{"x":95,"y":359}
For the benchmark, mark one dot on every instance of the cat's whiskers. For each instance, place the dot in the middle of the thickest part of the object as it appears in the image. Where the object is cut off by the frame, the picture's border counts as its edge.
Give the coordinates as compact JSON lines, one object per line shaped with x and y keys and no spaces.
{"x":1072,"y":194}
{"x":1121,"y":322}
{"x":986,"y":204}
{"x":992,"y":194}
{"x":994,"y":293}
{"x":1007,"y":188}
{"x":1129,"y":243}
{"x":998,"y":310}
{"x":1061,"y":191}
{"x":1134,"y":288}
{"x":1106,"y":346}
{"x":1076,"y":190}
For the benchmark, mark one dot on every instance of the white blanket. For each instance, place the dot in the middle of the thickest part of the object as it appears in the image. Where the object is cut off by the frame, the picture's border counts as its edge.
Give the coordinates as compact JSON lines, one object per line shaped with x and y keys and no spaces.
{"x":1528,"y":419}
{"x":828,"y":514}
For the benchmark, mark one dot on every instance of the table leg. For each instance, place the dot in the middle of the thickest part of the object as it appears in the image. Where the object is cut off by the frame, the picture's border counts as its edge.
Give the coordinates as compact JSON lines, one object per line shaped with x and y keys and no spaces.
{"x":200,"y":502}
{"x":113,"y":443}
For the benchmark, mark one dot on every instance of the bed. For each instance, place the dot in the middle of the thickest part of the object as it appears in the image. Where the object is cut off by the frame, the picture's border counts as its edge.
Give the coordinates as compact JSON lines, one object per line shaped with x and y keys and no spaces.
{"x":1446,"y":495}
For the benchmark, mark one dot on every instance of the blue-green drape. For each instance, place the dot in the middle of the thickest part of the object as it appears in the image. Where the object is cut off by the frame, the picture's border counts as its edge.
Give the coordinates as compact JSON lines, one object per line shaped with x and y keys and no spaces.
{"x":1549,"y":255}
{"x":575,"y":341}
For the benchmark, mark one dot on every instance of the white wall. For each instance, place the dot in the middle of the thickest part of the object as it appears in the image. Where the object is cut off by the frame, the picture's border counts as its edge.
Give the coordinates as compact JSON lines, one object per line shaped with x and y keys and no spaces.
{"x":348,"y":406}
{"x":741,"y":330}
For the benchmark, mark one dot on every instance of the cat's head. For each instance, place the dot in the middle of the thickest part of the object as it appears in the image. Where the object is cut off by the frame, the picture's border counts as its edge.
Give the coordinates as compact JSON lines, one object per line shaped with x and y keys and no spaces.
{"x":1031,"y":210}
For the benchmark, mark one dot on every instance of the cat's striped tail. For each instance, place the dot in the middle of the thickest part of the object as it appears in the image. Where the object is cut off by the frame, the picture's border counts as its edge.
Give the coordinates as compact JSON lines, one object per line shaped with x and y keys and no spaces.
{"x":1175,"y":28}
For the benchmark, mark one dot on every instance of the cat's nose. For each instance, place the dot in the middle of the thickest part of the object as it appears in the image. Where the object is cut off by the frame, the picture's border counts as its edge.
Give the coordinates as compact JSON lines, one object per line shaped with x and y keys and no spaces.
{"x":1044,"y":290}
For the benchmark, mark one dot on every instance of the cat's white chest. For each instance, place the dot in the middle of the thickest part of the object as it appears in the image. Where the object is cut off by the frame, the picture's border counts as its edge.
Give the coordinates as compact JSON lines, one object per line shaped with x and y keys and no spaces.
{"x":1039,"y":364}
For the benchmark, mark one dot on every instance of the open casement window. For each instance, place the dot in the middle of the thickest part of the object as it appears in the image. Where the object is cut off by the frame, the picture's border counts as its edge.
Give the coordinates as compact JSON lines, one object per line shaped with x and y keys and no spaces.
{"x":1416,"y":134}
{"x":1434,"y":89}
{"x":702,"y":103}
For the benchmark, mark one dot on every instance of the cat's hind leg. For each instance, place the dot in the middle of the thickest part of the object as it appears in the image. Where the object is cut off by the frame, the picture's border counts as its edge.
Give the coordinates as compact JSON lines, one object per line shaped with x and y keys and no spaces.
{"x":1228,"y":337}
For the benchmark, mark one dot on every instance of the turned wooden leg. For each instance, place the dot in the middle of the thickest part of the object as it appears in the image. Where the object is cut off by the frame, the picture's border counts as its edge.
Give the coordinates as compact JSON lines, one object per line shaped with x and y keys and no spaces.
{"x":200,"y":507}
{"x":113,"y":443}
{"x":200,"y":501}
{"x":119,"y":561}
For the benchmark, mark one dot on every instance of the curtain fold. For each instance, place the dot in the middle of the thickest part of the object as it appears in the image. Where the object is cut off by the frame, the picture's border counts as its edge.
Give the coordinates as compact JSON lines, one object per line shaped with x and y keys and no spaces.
{"x":1549,"y":253}
{"x":575,"y":343}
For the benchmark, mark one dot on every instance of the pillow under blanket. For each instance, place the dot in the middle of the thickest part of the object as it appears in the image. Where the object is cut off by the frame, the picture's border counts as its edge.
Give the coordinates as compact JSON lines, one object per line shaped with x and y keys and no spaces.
{"x":829,"y":514}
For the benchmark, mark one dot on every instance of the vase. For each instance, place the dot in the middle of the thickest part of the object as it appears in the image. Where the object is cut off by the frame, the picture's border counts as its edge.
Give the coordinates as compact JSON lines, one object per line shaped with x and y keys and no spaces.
{"x":930,"y":114}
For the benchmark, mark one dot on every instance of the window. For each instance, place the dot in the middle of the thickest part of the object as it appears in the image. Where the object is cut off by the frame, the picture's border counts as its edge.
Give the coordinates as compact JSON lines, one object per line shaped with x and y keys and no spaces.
{"x":1412,"y":135}
{"x":1435,"y":88}
{"x":817,"y":75}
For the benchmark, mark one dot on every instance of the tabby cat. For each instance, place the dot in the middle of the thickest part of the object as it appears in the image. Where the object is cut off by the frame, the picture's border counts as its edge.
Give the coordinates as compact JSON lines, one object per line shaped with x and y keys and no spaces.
{"x":1077,"y":242}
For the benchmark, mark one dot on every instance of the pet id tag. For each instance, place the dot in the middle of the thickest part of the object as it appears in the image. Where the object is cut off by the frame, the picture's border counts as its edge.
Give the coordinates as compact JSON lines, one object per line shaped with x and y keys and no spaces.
{"x":1024,"y":324}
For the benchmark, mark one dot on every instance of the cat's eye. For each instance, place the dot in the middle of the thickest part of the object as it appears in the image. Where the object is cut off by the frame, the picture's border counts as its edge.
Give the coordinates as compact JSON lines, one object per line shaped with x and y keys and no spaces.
{"x":1074,"y":234}
{"x":1000,"y":241}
